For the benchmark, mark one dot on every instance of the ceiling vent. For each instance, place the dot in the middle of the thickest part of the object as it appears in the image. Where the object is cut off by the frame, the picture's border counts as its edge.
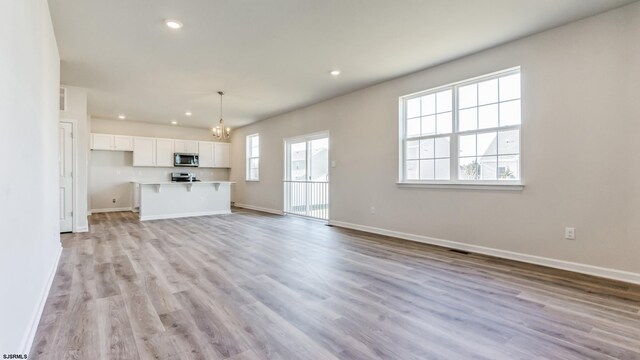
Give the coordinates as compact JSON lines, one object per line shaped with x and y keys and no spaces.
{"x":63,"y":99}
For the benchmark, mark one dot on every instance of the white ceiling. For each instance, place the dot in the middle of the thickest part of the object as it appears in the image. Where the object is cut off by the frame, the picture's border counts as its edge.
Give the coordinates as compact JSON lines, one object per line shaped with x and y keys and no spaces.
{"x":271,"y":56}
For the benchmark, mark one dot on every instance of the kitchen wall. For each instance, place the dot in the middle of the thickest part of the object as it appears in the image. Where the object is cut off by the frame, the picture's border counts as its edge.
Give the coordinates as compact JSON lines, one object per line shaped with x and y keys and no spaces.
{"x":111,"y":172}
{"x":29,"y":191}
{"x":580,"y":91}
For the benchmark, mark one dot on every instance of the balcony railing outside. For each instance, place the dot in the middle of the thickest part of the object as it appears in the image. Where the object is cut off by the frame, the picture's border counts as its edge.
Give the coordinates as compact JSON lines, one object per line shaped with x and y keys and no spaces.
{"x":307,"y":198}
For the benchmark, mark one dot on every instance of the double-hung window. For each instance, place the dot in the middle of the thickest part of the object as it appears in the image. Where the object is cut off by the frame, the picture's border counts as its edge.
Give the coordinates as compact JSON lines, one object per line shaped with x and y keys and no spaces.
{"x":253,"y":157}
{"x":463,"y":133}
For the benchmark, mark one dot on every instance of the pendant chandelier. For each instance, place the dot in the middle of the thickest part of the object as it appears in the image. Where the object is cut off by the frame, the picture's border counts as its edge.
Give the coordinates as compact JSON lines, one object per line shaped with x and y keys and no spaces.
{"x":220,"y":132}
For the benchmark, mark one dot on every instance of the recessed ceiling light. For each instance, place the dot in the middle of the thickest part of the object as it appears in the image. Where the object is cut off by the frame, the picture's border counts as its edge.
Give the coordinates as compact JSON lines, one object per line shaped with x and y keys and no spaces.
{"x":174,"y":122}
{"x":335,"y":72}
{"x":121,"y":117}
{"x":174,"y":24}
{"x":188,"y":113}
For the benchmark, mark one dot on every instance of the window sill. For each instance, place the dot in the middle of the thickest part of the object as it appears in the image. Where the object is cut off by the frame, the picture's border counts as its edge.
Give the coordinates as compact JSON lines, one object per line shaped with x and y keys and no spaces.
{"x":247,"y":180}
{"x":462,"y":186}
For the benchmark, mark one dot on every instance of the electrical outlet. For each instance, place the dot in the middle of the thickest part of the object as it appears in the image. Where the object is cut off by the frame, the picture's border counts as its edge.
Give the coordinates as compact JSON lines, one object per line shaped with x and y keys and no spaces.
{"x":373,"y":210}
{"x":113,"y":201}
{"x":570,"y":233}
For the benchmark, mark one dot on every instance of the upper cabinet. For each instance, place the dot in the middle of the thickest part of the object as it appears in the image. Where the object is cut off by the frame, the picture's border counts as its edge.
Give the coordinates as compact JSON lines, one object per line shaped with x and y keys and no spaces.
{"x":122,"y":143}
{"x":144,"y":151}
{"x":160,"y":152}
{"x":152,"y":152}
{"x":101,"y":142}
{"x":164,"y":152}
{"x":221,"y":153}
{"x":111,"y":142}
{"x":214,"y":154}
{"x":186,"y":146}
{"x":205,"y":152}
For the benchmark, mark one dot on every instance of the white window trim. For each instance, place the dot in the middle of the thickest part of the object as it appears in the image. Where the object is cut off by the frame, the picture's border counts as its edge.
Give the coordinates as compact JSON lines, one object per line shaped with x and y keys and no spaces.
{"x":248,"y":158}
{"x":509,"y":185}
{"x":515,"y":186}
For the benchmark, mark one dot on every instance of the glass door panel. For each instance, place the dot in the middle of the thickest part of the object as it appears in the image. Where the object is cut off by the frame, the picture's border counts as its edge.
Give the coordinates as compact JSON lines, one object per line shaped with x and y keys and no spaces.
{"x":307,"y":177}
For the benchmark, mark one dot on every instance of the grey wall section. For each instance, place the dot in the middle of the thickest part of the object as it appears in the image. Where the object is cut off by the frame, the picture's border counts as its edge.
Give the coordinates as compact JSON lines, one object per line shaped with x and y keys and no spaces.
{"x":111,"y":172}
{"x":29,"y":197}
{"x":580,"y":90}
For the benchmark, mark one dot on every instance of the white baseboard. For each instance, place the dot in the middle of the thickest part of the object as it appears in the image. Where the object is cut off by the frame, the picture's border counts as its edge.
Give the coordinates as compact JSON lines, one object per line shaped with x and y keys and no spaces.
{"x":608,"y":273}
{"x":35,"y":318}
{"x":258,"y":208}
{"x":183,"y":215}
{"x":94,"y":211}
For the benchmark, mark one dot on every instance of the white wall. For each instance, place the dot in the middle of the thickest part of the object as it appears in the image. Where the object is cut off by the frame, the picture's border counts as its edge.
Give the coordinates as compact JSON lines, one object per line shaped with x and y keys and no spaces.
{"x":29,"y":207}
{"x":581,"y":165}
{"x":111,"y":172}
{"x":76,"y":113}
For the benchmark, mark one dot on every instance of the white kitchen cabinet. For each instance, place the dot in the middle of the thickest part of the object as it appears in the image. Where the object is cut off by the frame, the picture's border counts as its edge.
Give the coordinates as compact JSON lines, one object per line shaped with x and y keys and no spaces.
{"x":164,"y":152}
{"x":205,"y":152}
{"x":122,"y":143}
{"x":144,"y":151}
{"x":101,"y":142}
{"x":160,"y":152}
{"x":111,"y":142}
{"x":192,"y":147}
{"x":186,"y":146}
{"x":221,"y":153}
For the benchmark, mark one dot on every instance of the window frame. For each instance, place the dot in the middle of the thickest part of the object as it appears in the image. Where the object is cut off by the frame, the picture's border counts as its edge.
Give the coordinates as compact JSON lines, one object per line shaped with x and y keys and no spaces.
{"x":248,"y":157}
{"x":454,"y":156}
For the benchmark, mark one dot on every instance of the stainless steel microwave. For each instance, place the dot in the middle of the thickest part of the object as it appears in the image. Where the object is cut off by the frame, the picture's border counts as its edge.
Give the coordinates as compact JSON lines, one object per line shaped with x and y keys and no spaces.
{"x":183,"y":160}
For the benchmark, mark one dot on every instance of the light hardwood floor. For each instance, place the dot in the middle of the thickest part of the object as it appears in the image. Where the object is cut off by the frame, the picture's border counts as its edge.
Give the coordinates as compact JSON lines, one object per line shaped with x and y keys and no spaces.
{"x":256,"y":286}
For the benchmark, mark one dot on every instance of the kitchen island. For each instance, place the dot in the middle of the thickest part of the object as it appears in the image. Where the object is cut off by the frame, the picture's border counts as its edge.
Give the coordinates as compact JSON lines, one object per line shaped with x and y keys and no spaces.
{"x":168,"y":200}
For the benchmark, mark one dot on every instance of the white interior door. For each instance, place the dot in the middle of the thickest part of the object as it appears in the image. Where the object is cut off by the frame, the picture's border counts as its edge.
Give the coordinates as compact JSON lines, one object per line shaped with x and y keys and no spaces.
{"x":65,"y":160}
{"x":306,"y":185}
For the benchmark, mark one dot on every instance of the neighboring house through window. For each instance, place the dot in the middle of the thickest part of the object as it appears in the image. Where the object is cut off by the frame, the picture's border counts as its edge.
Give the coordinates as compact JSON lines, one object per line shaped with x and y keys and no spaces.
{"x":466,"y":133}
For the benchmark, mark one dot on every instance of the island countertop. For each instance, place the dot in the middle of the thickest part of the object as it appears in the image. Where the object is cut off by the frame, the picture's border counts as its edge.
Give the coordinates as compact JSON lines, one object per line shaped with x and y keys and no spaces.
{"x":180,"y":182}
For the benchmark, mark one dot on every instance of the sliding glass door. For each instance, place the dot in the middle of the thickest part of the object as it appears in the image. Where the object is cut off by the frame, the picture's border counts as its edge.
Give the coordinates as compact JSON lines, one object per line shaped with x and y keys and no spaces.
{"x":306,"y":184}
